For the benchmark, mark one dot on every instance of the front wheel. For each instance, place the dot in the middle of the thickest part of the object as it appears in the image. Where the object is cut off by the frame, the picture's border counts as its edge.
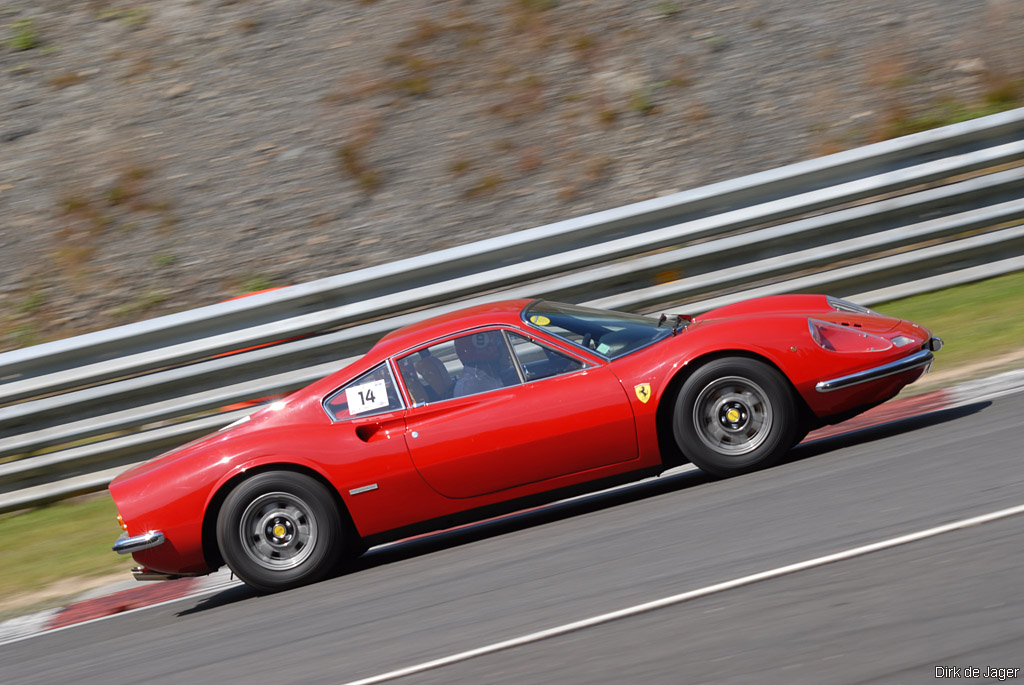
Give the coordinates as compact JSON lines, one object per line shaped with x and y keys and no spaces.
{"x":734,"y":415}
{"x":280,"y":529}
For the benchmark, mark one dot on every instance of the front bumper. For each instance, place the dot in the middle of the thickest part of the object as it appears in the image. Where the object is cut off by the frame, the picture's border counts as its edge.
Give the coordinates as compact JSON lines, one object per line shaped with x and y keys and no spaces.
{"x":920,"y":358}
{"x":129,"y":545}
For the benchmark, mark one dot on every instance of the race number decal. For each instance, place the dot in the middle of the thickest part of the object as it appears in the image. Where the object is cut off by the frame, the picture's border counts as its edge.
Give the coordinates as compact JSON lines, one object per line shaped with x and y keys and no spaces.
{"x":366,"y":397}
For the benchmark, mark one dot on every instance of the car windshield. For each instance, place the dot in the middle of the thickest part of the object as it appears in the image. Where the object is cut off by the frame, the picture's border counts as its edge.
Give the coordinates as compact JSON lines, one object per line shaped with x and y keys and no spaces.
{"x":611,"y":334}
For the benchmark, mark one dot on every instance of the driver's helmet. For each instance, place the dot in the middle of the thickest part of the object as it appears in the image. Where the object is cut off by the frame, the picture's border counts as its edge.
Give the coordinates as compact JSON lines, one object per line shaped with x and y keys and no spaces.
{"x":479,"y":348}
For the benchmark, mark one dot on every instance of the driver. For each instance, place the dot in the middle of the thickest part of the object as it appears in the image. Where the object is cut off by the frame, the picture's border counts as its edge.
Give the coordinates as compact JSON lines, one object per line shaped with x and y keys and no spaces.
{"x":483,"y":356}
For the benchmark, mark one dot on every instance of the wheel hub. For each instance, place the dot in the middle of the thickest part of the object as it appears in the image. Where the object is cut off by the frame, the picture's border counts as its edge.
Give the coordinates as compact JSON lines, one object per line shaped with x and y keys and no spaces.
{"x":278,"y":531}
{"x":733,"y":415}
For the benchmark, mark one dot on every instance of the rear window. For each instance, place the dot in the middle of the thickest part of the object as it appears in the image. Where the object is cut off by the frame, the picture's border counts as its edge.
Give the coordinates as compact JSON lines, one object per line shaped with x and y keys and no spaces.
{"x":372,"y":393}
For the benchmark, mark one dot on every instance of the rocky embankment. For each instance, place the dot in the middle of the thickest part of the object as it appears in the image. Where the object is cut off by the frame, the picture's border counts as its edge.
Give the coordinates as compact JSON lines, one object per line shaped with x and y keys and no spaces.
{"x":164,"y":155}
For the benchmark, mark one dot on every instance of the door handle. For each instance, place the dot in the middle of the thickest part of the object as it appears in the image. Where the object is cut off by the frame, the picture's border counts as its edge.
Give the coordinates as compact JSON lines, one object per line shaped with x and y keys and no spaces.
{"x":379,"y":430}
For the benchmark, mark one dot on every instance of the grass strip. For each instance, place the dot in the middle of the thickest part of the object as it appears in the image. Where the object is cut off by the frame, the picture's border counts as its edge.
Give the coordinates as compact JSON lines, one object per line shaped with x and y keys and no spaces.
{"x":977,"y":321}
{"x":44,"y":546}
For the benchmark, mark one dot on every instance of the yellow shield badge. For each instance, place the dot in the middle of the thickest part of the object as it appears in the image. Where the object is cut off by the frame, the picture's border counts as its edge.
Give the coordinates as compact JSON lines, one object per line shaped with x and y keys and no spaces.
{"x":643,"y":392}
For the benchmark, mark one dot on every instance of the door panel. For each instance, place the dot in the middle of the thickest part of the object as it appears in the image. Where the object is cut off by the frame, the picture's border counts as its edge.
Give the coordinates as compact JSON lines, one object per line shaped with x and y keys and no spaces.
{"x":503,"y":438}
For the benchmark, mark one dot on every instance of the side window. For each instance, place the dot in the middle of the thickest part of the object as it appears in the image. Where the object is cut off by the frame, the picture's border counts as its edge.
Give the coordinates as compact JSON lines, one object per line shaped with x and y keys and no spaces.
{"x":467,"y":365}
{"x":540,"y":362}
{"x":372,"y":393}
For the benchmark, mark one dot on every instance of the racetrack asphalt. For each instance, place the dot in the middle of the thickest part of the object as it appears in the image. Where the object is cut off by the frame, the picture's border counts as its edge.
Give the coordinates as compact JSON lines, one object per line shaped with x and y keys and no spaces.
{"x":953,"y":600}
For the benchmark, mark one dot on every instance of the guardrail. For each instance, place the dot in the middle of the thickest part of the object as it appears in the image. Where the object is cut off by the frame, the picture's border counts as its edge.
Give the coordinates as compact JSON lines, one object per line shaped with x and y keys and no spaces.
{"x":880,"y":221}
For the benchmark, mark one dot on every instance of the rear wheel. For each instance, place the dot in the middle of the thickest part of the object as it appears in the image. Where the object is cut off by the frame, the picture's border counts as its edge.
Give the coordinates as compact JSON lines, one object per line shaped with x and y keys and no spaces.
{"x":734,"y":415}
{"x":280,"y":529}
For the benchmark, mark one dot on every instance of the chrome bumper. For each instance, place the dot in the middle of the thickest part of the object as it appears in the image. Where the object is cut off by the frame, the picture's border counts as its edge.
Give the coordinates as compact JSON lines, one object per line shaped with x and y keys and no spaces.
{"x":127,"y":545}
{"x":914,"y":361}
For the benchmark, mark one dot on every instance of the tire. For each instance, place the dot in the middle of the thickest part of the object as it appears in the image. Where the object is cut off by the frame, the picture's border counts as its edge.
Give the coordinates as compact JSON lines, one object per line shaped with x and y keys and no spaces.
{"x":733,"y":416}
{"x":279,"y":530}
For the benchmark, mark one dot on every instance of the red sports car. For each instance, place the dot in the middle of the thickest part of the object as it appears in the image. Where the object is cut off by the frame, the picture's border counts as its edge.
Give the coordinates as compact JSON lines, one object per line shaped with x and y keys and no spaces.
{"x":483,"y":410}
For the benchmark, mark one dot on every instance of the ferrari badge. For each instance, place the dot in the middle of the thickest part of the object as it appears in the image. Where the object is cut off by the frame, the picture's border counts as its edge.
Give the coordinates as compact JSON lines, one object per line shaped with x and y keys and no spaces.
{"x":643,"y":392}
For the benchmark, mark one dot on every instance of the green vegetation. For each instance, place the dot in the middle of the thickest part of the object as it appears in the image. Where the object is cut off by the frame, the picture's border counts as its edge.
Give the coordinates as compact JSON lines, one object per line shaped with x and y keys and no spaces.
{"x":668,"y":9}
{"x":257,"y":283}
{"x":25,"y":37}
{"x":978,"y":321}
{"x":642,"y":101}
{"x":69,"y":539}
{"x":25,"y":335}
{"x":537,"y":5}
{"x":415,"y":84}
{"x":33,"y":301}
{"x":1002,"y":93}
{"x":162,"y":261}
{"x":943,"y":113}
{"x":132,"y":17}
{"x":141,"y":303}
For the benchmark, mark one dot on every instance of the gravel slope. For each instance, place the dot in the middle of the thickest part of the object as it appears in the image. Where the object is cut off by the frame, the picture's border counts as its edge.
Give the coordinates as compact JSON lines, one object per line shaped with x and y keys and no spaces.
{"x":161,"y":156}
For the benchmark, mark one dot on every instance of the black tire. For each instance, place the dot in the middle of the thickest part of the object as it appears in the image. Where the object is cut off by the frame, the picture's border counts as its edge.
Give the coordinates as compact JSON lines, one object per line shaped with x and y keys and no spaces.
{"x":279,"y":530}
{"x":733,"y":416}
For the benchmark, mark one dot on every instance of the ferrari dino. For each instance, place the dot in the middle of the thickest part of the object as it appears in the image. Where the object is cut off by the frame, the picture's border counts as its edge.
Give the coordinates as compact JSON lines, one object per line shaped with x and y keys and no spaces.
{"x":496,"y":407}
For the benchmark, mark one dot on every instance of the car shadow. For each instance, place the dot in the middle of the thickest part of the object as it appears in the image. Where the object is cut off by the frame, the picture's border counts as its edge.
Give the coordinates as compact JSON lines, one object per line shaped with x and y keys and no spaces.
{"x":860,"y":436}
{"x":462,"y":535}
{"x":550,"y":513}
{"x":538,"y":516}
{"x":230,"y":595}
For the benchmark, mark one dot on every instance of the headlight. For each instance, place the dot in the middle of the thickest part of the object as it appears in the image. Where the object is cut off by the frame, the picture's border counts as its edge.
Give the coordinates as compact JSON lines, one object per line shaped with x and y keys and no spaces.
{"x":841,"y":305}
{"x":836,"y":338}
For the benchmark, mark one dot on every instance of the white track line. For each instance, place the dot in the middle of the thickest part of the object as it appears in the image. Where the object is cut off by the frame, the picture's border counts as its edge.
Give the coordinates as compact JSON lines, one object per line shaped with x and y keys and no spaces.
{"x":692,"y":594}
{"x":990,"y":388}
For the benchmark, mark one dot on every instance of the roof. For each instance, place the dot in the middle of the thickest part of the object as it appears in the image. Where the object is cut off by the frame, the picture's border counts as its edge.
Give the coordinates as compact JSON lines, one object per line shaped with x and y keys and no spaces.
{"x":503,"y":312}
